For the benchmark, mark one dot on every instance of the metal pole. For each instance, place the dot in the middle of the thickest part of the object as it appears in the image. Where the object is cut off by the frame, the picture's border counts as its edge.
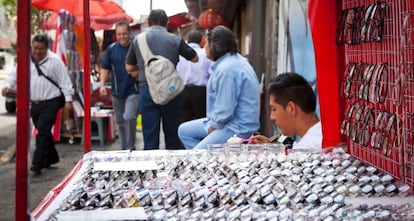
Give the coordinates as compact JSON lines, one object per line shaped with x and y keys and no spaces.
{"x":22,"y":115}
{"x":150,"y":5}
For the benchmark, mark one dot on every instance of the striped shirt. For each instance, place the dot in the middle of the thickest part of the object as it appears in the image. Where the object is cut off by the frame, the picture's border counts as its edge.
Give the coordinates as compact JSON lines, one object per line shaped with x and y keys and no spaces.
{"x":40,"y":87}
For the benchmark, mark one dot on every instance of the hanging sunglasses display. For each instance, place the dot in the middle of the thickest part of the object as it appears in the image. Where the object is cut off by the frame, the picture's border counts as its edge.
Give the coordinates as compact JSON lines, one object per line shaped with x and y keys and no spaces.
{"x":361,"y":24}
{"x":372,"y":128}
{"x":378,"y":83}
{"x":368,"y":82}
{"x":406,"y":93}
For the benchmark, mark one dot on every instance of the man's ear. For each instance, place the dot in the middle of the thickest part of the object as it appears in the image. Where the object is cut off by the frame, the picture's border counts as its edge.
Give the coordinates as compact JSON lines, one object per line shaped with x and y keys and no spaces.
{"x":291,"y":107}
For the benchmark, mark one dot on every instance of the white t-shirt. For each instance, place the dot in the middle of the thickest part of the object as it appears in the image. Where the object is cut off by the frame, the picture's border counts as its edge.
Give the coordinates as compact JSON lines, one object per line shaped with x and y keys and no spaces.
{"x":312,"y":138}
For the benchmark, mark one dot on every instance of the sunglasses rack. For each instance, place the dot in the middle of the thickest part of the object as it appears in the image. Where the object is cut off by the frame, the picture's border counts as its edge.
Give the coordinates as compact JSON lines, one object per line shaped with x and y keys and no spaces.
{"x":378,"y":83}
{"x":407,"y":82}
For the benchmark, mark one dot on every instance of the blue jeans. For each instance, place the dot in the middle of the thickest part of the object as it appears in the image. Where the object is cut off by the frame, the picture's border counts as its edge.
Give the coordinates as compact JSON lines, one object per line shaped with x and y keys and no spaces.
{"x":194,"y":134}
{"x":126,"y":111}
{"x":152,"y":114}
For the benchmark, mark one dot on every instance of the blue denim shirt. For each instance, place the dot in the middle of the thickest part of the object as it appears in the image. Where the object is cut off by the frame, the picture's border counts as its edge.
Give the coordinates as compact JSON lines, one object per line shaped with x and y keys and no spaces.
{"x":233,"y":96}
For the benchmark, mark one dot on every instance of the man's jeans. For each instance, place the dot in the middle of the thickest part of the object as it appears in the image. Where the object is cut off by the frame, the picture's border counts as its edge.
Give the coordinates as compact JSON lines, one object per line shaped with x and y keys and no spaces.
{"x":152,"y":114}
{"x":126,"y":111}
{"x":194,"y":134}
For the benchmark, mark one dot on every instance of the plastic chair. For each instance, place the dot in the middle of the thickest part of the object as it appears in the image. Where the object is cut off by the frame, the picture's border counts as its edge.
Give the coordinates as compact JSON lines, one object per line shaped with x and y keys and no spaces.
{"x":99,"y":134}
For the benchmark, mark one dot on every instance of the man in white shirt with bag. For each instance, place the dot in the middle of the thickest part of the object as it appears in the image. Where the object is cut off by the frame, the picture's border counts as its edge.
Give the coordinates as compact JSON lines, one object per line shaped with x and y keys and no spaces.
{"x":48,"y":81}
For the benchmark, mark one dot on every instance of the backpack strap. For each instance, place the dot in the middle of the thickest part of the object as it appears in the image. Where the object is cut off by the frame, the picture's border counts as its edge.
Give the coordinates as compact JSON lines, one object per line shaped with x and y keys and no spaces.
{"x":143,"y":46}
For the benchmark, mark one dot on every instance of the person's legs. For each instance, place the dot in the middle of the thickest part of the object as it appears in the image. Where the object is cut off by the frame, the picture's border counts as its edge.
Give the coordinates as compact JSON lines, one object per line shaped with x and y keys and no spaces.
{"x":44,"y":117}
{"x":130,"y":120}
{"x":119,"y":108}
{"x":170,"y":114}
{"x":216,"y":137}
{"x":198,"y":102}
{"x":150,"y":119}
{"x":192,"y":132}
{"x":186,"y":105}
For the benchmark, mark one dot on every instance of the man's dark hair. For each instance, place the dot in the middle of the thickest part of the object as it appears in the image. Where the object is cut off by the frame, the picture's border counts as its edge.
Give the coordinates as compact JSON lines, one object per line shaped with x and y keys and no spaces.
{"x":158,"y":17}
{"x":293,"y":87}
{"x":194,"y":37}
{"x":123,"y":23}
{"x":42,"y":39}
{"x":221,"y":40}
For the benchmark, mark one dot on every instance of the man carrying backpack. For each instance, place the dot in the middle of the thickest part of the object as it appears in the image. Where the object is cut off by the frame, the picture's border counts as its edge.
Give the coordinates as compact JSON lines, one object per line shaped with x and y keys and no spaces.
{"x":170,"y":46}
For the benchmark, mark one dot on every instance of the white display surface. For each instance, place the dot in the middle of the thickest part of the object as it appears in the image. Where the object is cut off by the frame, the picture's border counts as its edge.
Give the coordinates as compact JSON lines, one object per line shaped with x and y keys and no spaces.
{"x":145,"y":160}
{"x":137,"y":213}
{"x":52,"y":202}
{"x":126,"y":166}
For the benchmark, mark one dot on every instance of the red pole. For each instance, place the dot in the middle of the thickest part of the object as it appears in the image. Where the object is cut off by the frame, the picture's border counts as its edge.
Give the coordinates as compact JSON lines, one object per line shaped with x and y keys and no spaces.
{"x":22,"y":115}
{"x":87,"y":77}
{"x":322,"y":16}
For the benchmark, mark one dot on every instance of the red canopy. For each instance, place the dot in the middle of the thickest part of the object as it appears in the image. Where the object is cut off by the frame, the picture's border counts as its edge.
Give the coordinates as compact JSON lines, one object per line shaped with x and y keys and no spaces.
{"x":97,"y":22}
{"x":75,"y":7}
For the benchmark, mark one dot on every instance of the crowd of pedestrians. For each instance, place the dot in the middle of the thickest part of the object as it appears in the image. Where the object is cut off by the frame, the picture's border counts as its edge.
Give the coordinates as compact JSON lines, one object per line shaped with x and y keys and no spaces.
{"x":221,"y":98}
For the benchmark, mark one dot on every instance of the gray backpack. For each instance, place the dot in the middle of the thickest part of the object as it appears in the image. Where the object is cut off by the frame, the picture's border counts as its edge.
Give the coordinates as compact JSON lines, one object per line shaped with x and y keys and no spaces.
{"x":163,"y":80}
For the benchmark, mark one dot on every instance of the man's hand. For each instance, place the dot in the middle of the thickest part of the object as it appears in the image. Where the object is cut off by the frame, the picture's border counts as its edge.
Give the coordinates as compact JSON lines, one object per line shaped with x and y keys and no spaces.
{"x":210,"y":130}
{"x":8,"y":92}
{"x":102,"y":91}
{"x":259,"y":139}
{"x":133,"y":73}
{"x":195,"y":59}
{"x":4,"y":91}
{"x":68,"y":106}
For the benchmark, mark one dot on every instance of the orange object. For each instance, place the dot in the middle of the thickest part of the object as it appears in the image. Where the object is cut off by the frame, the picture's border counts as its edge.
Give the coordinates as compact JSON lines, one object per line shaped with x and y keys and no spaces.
{"x":80,"y":43}
{"x":210,"y":18}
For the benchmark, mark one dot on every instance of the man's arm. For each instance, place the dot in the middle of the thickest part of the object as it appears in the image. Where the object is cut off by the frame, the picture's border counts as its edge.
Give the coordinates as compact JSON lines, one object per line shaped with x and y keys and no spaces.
{"x":132,"y":69}
{"x":195,"y":59}
{"x":10,"y":81}
{"x":60,"y":75}
{"x":131,"y":61}
{"x":103,"y":75}
{"x":187,"y":52}
{"x":64,"y":82}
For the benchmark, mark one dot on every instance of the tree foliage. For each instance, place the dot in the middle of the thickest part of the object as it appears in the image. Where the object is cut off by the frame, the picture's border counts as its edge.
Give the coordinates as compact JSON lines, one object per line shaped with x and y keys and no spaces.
{"x":11,"y":7}
{"x":37,"y":16}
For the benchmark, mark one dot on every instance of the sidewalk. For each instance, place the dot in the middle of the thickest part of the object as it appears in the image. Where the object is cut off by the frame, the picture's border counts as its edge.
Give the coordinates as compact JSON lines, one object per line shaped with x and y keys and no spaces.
{"x":40,"y":185}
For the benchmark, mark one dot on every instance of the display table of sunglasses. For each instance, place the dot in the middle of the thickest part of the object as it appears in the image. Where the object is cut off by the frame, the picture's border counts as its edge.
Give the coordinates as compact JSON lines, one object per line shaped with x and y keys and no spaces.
{"x":247,"y":183}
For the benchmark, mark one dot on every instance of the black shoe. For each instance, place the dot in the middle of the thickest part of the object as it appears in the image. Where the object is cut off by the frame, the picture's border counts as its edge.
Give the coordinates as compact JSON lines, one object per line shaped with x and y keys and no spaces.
{"x":36,"y":169}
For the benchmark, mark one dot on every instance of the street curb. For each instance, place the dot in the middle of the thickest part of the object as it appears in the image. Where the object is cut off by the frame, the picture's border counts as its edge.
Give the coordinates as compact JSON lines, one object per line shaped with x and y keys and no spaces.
{"x":7,"y":137}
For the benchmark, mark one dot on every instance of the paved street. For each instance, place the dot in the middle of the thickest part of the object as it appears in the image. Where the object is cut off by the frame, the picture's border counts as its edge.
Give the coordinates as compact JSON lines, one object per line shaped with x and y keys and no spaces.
{"x":40,"y":185}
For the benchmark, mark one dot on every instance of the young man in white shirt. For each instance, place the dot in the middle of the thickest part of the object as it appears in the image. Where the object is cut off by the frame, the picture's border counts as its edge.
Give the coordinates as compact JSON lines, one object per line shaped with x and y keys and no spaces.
{"x":292,"y":108}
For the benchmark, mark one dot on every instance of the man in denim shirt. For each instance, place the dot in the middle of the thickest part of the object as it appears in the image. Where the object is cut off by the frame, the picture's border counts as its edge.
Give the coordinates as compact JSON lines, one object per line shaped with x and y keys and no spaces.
{"x":233,"y":96}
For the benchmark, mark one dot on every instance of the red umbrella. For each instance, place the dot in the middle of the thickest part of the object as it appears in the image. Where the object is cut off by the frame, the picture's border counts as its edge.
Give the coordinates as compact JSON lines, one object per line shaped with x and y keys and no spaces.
{"x":75,"y":7}
{"x":97,"y":22}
